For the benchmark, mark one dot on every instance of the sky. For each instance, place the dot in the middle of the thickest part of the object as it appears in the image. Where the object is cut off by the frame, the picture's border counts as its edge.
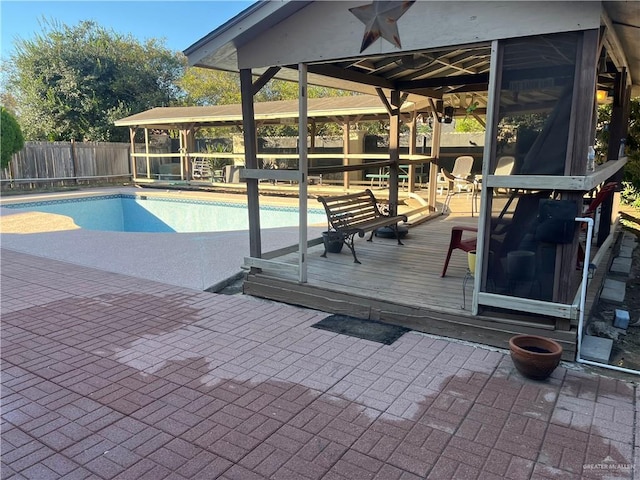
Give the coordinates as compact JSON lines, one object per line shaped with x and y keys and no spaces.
{"x":179,"y":23}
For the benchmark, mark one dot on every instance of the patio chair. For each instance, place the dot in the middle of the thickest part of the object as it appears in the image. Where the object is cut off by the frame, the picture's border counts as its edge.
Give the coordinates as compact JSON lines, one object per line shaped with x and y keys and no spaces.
{"x":505,"y":234}
{"x":591,"y":211}
{"x":456,"y":241}
{"x":504,"y":167}
{"x":460,"y":178}
{"x":200,"y":168}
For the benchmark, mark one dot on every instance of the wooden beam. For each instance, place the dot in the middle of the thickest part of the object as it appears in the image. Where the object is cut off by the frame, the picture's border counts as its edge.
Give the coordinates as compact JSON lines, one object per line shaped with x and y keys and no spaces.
{"x":481,"y":78}
{"x":336,"y":72}
{"x":264,"y":78}
{"x":385,"y":102}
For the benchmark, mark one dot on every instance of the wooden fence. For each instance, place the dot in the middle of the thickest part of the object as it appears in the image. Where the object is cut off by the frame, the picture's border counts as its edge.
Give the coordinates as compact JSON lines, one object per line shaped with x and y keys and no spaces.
{"x":67,"y":163}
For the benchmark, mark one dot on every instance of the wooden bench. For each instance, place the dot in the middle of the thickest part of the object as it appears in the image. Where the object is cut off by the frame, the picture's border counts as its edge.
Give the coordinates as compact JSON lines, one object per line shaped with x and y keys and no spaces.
{"x":355,"y":214}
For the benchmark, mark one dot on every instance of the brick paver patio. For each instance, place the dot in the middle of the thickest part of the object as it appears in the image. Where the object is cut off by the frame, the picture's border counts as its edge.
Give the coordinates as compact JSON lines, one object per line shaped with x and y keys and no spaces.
{"x":109,"y":376}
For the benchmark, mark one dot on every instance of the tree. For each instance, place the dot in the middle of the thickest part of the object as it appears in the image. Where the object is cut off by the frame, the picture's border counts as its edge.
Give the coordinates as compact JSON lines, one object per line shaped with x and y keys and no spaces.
{"x":11,"y":135}
{"x":73,"y":82}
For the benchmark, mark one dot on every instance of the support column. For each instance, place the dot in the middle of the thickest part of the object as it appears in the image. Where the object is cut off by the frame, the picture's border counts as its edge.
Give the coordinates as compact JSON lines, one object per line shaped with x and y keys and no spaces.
{"x":394,"y":151}
{"x":411,"y":181}
{"x":433,"y":166}
{"x":346,"y":150}
{"x":303,"y":166}
{"x":617,"y":131}
{"x":146,"y":150}
{"x":251,"y":162}
{"x":132,"y":158}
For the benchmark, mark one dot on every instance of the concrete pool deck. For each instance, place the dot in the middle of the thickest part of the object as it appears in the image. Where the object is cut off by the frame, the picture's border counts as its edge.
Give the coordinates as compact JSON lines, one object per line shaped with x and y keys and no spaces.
{"x":107,"y":376}
{"x":193,"y":260}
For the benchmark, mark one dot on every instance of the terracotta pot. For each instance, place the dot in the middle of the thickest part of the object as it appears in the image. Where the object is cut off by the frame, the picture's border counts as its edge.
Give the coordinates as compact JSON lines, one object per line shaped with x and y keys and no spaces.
{"x":535,"y":357}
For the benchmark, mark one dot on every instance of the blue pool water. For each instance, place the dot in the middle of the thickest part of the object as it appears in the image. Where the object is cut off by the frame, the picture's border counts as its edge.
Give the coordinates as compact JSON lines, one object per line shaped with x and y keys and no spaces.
{"x":133,"y":213}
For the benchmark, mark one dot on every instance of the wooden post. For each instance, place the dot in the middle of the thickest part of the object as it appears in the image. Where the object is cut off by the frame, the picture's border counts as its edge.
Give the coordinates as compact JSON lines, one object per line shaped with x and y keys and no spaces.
{"x":74,"y":160}
{"x":184,"y":167}
{"x":146,"y":150}
{"x":251,"y":162}
{"x":411,"y":181}
{"x":394,"y":151}
{"x":582,"y":115}
{"x":346,"y":150}
{"x":617,"y":131}
{"x":132,"y":158}
{"x":435,"y":153}
{"x":189,"y":146}
{"x":483,"y":244}
{"x":303,"y":166}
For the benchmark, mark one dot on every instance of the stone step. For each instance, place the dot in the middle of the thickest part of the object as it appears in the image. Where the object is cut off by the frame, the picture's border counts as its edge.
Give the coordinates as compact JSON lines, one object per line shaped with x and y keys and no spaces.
{"x":613,"y":291}
{"x":596,"y":349}
{"x":621,"y":265}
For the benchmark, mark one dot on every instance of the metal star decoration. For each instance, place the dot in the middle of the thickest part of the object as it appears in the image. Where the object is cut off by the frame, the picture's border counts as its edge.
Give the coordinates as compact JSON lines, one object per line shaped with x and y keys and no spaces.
{"x":380,"y":20}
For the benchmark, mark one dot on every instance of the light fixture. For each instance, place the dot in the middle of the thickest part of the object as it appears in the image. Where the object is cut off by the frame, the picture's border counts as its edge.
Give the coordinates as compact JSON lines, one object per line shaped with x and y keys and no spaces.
{"x":602,"y":96}
{"x":448,"y":115}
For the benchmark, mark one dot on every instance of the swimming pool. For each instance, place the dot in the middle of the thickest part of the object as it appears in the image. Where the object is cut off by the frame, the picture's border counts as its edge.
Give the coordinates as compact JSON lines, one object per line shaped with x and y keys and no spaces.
{"x":142,"y":213}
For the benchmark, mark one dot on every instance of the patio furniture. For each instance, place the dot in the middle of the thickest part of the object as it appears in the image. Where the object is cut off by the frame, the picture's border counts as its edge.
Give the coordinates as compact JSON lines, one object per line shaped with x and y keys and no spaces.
{"x":504,"y":167}
{"x":382,"y":177}
{"x":461,"y":178}
{"x":355,"y":214}
{"x":456,"y":242}
{"x":200,"y":168}
{"x":592,"y":211}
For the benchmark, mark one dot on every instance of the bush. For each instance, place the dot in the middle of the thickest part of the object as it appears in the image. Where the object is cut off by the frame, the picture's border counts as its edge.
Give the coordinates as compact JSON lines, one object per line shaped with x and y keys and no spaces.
{"x":12,"y":140}
{"x":631,"y":184}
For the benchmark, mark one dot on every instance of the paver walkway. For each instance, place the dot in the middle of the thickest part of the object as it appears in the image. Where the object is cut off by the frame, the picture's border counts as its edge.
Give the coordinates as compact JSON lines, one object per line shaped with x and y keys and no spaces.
{"x":109,"y":376}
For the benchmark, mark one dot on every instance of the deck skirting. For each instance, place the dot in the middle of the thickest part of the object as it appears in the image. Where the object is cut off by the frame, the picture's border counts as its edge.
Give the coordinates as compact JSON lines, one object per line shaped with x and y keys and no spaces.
{"x":464,"y":326}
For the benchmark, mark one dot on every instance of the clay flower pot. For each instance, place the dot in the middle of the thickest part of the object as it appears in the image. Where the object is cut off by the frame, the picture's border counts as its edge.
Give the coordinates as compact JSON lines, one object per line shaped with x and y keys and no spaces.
{"x":535,"y":357}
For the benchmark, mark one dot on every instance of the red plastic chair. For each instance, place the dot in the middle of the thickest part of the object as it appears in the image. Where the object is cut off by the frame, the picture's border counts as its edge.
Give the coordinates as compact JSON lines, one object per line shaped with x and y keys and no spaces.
{"x":456,"y":241}
{"x":600,"y":197}
{"x":604,"y":193}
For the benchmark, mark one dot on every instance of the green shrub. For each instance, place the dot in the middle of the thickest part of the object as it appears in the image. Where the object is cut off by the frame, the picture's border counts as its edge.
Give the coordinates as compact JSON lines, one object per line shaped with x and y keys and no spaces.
{"x":12,"y":140}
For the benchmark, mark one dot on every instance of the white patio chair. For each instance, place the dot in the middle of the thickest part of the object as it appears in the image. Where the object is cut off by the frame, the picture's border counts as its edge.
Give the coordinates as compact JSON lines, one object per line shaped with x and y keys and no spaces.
{"x":461,"y":178}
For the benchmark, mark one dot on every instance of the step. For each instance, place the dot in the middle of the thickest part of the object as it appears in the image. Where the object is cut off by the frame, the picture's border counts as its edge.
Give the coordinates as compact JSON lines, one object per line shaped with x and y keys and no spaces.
{"x":596,"y":349}
{"x":613,"y":291}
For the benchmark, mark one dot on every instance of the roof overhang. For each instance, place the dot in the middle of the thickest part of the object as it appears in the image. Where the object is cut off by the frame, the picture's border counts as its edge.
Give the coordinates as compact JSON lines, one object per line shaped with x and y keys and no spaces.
{"x":220,"y":49}
{"x":331,"y":109}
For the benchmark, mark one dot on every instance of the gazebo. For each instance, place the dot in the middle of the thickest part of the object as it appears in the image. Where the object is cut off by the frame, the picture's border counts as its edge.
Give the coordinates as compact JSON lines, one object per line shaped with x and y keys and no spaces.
{"x":345,"y":111}
{"x":509,"y":63}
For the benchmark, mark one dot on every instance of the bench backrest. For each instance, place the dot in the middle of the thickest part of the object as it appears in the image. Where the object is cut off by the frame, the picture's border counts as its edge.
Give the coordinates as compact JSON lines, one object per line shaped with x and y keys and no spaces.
{"x":346,"y":211}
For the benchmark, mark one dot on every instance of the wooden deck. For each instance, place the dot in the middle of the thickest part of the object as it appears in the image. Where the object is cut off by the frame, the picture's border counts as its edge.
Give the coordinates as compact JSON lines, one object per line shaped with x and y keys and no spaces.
{"x":401,"y":284}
